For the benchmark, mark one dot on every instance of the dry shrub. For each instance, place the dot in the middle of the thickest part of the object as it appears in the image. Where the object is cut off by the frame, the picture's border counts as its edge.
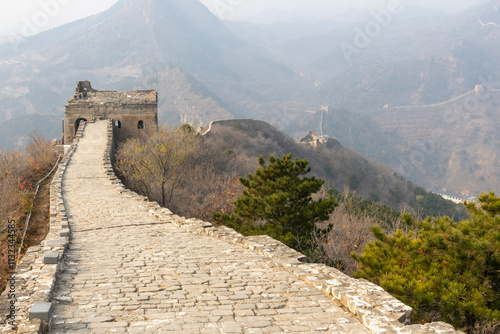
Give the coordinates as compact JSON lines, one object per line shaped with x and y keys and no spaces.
{"x":19,"y":173}
{"x":217,"y":194}
{"x":209,"y":183}
{"x":153,"y":165}
{"x":41,"y":154}
{"x":350,"y":232}
{"x":176,"y":167}
{"x":484,"y":327}
{"x":349,"y":229}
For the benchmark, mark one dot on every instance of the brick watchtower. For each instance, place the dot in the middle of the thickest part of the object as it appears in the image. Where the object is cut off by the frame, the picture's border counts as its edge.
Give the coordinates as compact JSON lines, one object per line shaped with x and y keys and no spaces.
{"x":132,"y":112}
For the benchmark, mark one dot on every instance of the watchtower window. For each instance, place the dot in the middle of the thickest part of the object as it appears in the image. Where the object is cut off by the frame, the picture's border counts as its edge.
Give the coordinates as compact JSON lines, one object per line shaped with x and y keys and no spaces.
{"x":118,"y":124}
{"x":140,"y":125}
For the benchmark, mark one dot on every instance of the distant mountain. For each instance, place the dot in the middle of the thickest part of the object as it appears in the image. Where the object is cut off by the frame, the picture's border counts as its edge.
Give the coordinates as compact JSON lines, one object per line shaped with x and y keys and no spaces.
{"x":491,"y":15}
{"x":351,"y":15}
{"x":185,"y":100}
{"x":453,"y":145}
{"x":337,"y":165}
{"x":419,"y":61}
{"x":126,"y":46}
{"x":280,"y":15}
{"x":32,"y":124}
{"x":416,"y":58}
{"x":412,"y":11}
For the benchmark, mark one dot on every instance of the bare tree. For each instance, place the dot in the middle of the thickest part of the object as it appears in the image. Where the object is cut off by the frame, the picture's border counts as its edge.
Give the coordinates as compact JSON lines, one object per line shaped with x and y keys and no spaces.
{"x":153,"y":164}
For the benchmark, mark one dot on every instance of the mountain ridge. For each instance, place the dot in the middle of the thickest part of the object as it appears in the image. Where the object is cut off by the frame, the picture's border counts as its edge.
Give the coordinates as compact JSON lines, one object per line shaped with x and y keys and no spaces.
{"x":205,"y":70}
{"x":119,"y":48}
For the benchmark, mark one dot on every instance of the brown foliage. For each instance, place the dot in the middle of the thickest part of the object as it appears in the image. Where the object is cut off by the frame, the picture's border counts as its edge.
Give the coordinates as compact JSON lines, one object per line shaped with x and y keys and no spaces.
{"x":335,"y":164}
{"x":181,"y":170}
{"x":217,"y":194}
{"x":350,"y":231}
{"x":153,"y":165}
{"x":19,"y":173}
{"x":484,"y":327}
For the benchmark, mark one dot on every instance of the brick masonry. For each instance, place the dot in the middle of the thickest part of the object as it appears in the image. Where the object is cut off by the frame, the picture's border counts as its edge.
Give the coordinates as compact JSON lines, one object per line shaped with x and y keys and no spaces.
{"x":224,"y":309}
{"x":133,"y":112}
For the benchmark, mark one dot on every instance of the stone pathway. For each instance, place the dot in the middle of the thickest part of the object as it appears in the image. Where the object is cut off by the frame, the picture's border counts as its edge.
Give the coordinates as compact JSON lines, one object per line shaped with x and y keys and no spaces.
{"x":127,"y":272}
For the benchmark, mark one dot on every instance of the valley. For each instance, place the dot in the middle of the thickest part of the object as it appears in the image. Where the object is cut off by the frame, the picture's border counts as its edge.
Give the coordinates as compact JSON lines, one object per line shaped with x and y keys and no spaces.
{"x":387,"y":103}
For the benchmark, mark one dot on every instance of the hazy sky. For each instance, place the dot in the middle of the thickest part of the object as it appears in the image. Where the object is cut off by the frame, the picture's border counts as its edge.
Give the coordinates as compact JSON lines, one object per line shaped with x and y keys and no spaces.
{"x":28,"y":16}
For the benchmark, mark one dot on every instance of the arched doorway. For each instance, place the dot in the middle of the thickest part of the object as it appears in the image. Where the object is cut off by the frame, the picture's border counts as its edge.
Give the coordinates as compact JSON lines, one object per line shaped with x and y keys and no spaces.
{"x":140,"y":125}
{"x":77,"y":123}
{"x":118,"y":124}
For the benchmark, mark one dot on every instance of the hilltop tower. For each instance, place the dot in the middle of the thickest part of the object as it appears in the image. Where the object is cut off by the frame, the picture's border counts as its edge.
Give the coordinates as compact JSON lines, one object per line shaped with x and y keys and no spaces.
{"x":132,"y":112}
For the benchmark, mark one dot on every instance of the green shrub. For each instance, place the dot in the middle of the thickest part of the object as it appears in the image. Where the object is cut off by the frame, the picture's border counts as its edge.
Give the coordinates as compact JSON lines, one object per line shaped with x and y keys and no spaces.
{"x":444,"y":270}
{"x":278,"y":202}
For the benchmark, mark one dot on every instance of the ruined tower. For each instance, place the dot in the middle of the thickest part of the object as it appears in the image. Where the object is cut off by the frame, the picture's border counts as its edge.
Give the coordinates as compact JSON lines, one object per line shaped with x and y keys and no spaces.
{"x":132,"y":112}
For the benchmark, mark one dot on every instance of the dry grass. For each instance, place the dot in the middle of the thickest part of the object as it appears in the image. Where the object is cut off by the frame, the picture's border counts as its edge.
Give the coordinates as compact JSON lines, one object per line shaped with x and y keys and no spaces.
{"x":484,"y":327}
{"x":19,"y":173}
{"x":204,"y":180}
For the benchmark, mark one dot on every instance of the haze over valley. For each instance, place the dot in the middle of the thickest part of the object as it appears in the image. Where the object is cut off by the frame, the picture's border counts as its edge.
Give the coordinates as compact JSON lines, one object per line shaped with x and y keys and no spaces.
{"x":412,"y":87}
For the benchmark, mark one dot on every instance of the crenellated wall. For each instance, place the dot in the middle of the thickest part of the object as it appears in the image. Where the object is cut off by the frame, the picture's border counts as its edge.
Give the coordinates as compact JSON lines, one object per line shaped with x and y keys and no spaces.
{"x":34,"y":279}
{"x":376,"y":309}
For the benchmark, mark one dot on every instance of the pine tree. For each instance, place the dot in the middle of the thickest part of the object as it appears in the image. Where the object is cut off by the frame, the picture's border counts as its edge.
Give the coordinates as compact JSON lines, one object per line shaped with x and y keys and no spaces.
{"x":278,"y":202}
{"x":444,"y":270}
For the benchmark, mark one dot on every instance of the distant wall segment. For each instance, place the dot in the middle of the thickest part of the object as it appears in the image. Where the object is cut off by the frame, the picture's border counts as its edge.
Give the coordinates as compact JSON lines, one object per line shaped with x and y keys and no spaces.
{"x":250,"y":125}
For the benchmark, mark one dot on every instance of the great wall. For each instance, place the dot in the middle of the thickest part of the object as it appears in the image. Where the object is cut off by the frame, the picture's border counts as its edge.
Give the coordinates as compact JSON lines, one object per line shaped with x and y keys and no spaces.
{"x":113,"y":262}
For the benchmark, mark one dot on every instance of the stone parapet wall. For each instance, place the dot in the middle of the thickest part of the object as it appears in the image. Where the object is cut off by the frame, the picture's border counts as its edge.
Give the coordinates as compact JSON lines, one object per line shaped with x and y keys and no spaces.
{"x":35,"y":280}
{"x":379,"y":311}
{"x":376,"y":309}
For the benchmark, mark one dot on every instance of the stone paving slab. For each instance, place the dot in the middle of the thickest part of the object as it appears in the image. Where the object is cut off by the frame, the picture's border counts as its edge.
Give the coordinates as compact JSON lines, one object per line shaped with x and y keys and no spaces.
{"x":127,"y":272}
